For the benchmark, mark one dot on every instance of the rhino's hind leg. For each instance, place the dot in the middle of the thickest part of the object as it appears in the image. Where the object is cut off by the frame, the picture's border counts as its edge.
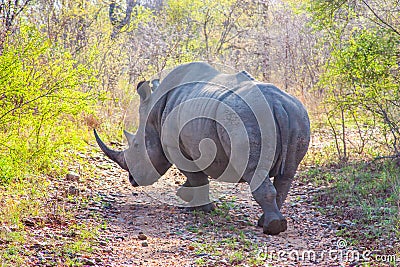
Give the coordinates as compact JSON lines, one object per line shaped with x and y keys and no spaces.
{"x":282,"y":184}
{"x":195,"y":191}
{"x":283,"y":181}
{"x":272,"y":220}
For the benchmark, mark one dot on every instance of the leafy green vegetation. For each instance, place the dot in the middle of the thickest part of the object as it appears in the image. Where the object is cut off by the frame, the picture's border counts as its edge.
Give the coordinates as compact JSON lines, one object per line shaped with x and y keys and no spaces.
{"x":364,"y":197}
{"x":45,"y":96}
{"x":360,"y":82}
{"x":238,"y":250}
{"x":360,"y":87}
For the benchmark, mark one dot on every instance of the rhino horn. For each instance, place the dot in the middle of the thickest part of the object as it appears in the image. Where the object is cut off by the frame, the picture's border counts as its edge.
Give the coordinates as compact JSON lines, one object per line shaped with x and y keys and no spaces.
{"x":117,"y":156}
{"x":130,"y":137}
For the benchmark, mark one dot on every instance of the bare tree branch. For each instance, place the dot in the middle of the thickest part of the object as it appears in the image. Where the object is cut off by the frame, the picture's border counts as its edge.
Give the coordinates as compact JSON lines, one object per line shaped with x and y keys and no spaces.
{"x":8,"y":13}
{"x":380,"y":19}
{"x":129,"y":7}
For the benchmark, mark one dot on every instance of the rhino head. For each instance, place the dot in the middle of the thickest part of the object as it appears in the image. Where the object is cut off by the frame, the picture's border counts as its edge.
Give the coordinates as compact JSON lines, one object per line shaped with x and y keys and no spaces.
{"x":144,"y":159}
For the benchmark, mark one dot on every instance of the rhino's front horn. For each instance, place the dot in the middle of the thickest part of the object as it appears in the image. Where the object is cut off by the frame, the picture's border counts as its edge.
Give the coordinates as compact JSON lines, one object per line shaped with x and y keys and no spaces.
{"x":117,"y":156}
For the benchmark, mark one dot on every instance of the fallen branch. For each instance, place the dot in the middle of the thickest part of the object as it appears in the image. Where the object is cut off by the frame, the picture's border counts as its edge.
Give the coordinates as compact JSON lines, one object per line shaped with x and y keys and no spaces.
{"x":397,"y":156}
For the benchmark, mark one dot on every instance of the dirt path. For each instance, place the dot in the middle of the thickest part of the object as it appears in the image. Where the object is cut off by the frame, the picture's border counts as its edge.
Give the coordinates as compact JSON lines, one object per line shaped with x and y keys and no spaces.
{"x":227,"y":237}
{"x":135,"y":227}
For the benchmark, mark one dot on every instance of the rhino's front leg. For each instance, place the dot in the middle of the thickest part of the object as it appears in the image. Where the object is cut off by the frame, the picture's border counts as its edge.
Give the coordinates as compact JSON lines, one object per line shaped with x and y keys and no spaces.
{"x":185,"y":191}
{"x":272,"y":220}
{"x":195,"y":191}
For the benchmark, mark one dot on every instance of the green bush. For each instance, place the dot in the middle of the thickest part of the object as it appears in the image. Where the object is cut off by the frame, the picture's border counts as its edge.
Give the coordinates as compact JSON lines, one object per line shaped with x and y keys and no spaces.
{"x":43,"y":94}
{"x":362,"y":93}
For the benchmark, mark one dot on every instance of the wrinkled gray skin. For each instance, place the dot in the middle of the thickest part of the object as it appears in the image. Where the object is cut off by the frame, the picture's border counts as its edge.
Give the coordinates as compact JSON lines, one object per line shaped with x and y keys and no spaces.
{"x":292,"y":139}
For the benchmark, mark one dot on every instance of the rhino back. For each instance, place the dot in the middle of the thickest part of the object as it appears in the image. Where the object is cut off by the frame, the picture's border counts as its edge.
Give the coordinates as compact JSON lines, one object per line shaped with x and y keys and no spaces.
{"x":290,"y":118}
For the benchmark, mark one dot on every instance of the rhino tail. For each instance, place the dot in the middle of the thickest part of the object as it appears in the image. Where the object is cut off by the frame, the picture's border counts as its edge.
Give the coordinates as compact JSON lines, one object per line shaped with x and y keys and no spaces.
{"x":282,"y":120}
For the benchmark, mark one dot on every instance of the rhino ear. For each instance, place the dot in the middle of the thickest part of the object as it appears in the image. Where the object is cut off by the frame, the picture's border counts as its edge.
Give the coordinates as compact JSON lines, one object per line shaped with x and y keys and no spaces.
{"x":144,"y":90}
{"x":130,"y":137}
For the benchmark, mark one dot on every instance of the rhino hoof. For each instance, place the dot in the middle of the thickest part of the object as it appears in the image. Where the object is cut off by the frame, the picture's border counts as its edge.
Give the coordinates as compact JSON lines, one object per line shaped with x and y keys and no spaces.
{"x":274,"y":227}
{"x":204,"y":208}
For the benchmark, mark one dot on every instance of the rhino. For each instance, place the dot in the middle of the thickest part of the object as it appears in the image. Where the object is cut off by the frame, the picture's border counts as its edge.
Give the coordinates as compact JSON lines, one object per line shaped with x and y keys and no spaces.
{"x":216,"y":125}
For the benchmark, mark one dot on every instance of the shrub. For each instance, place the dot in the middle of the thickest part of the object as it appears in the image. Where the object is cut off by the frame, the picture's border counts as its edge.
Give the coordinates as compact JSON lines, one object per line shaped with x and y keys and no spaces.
{"x":43,"y":94}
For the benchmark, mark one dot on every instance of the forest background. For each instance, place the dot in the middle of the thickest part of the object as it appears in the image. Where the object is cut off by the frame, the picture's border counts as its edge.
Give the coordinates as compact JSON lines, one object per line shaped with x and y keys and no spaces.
{"x":68,"y":66}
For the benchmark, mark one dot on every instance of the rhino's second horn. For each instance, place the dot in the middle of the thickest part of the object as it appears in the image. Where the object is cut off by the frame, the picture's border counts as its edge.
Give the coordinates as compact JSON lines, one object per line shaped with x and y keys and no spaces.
{"x":117,"y":156}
